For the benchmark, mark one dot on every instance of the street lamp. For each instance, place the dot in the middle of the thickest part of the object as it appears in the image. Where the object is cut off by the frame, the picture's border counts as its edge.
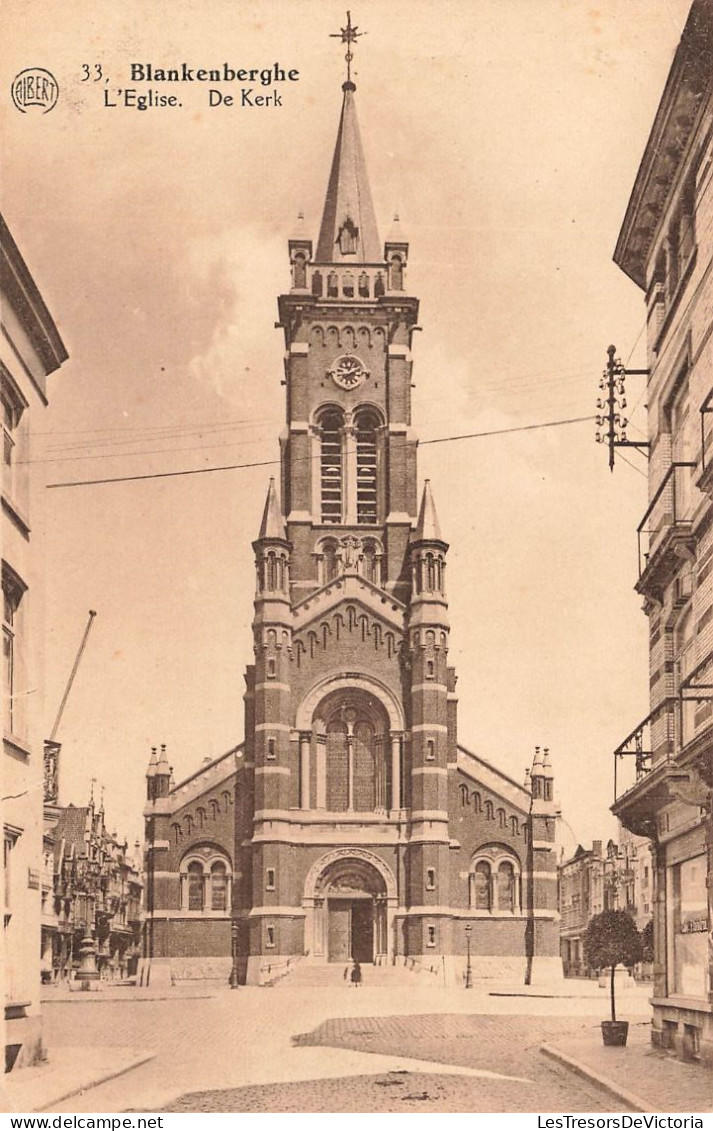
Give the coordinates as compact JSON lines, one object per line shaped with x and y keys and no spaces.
{"x":468,"y":970}
{"x":233,"y":981}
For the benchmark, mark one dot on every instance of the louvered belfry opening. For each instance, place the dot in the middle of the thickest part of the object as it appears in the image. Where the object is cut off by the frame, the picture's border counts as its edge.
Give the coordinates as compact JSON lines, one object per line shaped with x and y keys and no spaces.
{"x":367,"y":481}
{"x":331,"y":467}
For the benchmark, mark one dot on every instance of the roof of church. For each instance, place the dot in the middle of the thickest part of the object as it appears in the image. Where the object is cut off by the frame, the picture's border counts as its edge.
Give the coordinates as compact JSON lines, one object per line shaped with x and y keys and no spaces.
{"x":273,"y":524}
{"x":211,"y":774}
{"x":428,"y":528}
{"x":348,"y":197}
{"x":488,"y":775}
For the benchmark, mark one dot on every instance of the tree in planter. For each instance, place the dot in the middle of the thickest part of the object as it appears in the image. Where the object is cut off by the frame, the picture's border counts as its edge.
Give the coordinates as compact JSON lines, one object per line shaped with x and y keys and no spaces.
{"x":612,"y":938}
{"x":647,"y":942}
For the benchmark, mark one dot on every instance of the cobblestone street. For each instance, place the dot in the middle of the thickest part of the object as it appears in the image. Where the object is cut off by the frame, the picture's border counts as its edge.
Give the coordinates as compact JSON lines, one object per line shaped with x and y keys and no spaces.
{"x":326,"y":1050}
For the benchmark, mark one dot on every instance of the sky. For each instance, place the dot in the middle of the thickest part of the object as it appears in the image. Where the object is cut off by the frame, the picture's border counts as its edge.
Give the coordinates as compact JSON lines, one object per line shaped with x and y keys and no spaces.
{"x":507,"y":135}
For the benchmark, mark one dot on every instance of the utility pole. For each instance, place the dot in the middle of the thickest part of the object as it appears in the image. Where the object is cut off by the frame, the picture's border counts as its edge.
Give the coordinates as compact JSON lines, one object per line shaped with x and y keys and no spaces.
{"x":610,"y":419}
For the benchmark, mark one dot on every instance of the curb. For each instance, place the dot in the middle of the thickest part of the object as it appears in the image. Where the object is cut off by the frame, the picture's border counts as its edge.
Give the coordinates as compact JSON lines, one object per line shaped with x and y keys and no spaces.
{"x":102,"y":1077}
{"x":630,"y":1099}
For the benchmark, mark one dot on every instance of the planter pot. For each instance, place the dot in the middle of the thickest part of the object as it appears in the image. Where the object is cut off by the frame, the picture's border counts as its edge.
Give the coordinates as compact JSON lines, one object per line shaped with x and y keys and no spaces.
{"x":614,"y":1033}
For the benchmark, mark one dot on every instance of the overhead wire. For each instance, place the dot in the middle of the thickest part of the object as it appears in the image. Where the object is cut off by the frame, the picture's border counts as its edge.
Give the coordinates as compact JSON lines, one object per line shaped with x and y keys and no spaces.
{"x":276,"y":462}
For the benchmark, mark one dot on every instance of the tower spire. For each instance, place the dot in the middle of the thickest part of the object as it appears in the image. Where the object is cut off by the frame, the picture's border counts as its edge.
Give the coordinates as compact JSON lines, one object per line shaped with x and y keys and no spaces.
{"x":273,"y":524}
{"x":348,"y":233}
{"x":427,"y":528}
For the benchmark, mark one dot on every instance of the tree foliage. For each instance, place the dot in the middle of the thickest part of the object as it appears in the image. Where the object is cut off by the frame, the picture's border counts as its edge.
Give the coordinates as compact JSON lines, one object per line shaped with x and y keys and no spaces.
{"x":647,"y":942}
{"x":612,"y":938}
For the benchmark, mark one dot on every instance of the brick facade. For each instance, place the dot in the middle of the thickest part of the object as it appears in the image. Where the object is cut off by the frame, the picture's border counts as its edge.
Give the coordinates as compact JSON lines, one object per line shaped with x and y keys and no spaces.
{"x":352,"y":821}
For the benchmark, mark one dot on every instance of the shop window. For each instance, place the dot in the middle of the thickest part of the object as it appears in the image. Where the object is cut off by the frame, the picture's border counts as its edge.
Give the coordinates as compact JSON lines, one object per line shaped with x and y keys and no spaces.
{"x":690,"y":927}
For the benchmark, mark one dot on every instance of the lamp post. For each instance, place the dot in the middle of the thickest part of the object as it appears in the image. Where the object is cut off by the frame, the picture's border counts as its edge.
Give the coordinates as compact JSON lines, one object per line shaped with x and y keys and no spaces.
{"x":468,"y":970}
{"x":233,"y":981}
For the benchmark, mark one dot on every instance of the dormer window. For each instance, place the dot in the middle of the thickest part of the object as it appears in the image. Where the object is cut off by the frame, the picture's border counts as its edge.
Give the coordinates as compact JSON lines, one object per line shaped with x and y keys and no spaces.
{"x":348,"y":236}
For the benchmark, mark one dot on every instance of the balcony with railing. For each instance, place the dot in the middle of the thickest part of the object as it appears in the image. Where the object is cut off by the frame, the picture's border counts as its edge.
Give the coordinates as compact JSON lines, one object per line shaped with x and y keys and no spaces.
{"x":665,"y":532}
{"x":705,"y":479}
{"x":640,"y":764}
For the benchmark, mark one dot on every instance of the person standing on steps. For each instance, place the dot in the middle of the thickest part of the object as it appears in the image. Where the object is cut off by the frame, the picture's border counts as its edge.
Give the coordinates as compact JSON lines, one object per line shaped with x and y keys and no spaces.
{"x":356,"y":975}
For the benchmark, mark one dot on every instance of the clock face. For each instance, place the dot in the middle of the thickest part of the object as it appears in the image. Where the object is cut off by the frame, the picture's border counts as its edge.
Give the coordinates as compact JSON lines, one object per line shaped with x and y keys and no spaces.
{"x":348,"y":372}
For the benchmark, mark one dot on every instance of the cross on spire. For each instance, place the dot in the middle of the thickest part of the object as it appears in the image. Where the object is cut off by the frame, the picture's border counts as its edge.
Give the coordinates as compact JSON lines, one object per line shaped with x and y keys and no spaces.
{"x":348,"y":35}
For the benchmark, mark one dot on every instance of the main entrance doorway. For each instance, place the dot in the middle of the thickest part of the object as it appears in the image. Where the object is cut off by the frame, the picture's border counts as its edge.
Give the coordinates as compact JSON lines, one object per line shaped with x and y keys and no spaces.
{"x":350,"y":912}
{"x":351,"y":930}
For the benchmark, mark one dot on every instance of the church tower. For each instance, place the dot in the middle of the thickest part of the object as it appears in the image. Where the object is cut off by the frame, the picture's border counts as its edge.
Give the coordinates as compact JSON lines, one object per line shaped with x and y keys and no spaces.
{"x":358,"y":833}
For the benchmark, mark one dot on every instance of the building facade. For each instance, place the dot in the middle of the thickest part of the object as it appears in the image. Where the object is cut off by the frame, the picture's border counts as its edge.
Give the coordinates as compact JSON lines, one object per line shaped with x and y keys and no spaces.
{"x":92,"y":889}
{"x":30,"y":349}
{"x":666,"y":247}
{"x":351,"y":824}
{"x":618,"y":878}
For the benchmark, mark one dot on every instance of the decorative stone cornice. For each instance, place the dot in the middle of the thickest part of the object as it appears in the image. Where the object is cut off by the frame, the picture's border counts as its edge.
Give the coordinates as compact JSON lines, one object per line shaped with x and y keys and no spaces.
{"x":689,"y":82}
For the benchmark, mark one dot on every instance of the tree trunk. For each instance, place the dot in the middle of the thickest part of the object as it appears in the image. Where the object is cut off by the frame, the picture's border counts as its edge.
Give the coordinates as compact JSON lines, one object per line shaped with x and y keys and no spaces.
{"x":613,"y":1010}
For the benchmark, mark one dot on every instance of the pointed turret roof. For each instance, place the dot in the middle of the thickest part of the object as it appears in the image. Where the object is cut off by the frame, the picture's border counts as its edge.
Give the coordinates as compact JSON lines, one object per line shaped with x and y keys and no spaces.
{"x":348,"y":201}
{"x":427,"y":527}
{"x":273,"y":524}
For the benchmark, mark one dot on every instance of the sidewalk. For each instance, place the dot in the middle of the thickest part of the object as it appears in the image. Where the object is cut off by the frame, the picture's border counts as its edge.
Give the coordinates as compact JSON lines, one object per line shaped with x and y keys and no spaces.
{"x":640,"y":1077}
{"x":68,"y":1072}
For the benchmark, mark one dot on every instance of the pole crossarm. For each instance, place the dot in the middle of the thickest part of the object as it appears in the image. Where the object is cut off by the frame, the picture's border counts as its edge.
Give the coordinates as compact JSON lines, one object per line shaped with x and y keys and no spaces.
{"x":610,"y":419}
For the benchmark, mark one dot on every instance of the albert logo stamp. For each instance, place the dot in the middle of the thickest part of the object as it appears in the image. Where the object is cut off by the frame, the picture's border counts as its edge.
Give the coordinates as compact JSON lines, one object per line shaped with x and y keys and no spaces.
{"x":35,"y":89}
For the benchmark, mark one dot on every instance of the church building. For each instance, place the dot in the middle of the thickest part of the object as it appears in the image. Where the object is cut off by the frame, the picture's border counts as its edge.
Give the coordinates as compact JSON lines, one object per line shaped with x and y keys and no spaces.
{"x":350,"y":823}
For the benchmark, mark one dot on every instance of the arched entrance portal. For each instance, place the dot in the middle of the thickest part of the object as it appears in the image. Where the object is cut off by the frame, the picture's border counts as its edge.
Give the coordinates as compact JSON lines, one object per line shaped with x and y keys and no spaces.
{"x":350,"y":918}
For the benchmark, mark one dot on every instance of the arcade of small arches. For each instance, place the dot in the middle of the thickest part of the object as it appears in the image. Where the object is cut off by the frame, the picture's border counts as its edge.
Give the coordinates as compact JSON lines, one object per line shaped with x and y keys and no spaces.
{"x":205,"y":876}
{"x":350,"y":758}
{"x":350,"y":455}
{"x":347,"y":283}
{"x":334,"y":556}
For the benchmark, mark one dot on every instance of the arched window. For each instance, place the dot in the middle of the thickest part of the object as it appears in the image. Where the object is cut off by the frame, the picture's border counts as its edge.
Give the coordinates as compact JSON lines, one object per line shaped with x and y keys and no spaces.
{"x":506,"y":886}
{"x":219,"y":887}
{"x":364,"y":768}
{"x":195,"y":886}
{"x":317,"y":284}
{"x":379,"y":288}
{"x":366,"y":447}
{"x":363,"y":285}
{"x":331,"y":466}
{"x":348,"y":284}
{"x":329,"y":562}
{"x":337,"y":767}
{"x":370,"y":562}
{"x":205,"y":882}
{"x":332,"y":285}
{"x":494,"y":881}
{"x":396,"y":274}
{"x":358,"y":763}
{"x":300,"y":271}
{"x":480,"y":887}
